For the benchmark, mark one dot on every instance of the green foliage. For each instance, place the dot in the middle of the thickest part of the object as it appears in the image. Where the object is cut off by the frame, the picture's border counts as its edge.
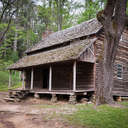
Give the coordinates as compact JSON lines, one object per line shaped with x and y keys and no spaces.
{"x":25,"y":38}
{"x":14,"y":56}
{"x":91,"y":9}
{"x":4,"y":64}
{"x":2,"y":26}
{"x":103,"y":116}
{"x":4,"y":76}
{"x":48,"y":14}
{"x":31,"y":36}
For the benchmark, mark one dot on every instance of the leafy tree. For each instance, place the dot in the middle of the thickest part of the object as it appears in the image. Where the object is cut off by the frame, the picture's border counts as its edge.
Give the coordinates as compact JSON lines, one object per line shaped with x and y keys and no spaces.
{"x":19,"y":34}
{"x":91,"y":8}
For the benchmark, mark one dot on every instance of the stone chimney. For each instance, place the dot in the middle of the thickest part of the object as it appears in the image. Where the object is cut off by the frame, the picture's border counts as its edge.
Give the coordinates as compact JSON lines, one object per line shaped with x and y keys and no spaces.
{"x":46,"y":33}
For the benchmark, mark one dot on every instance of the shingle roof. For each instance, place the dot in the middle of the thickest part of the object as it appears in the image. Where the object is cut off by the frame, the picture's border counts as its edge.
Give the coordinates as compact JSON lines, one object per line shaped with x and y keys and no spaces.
{"x":68,"y":52}
{"x":84,"y":29}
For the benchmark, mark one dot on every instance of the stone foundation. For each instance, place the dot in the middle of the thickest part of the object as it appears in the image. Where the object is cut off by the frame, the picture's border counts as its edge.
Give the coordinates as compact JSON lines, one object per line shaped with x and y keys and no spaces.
{"x":93,"y":98}
{"x":54,"y":98}
{"x":37,"y":96}
{"x":72,"y":99}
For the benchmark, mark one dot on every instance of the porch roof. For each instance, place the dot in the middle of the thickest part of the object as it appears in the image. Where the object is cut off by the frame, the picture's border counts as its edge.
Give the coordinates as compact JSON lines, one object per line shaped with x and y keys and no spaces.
{"x":69,"y":52}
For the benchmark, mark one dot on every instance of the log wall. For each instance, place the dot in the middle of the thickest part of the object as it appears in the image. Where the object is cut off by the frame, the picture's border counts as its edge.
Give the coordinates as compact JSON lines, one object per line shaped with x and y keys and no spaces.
{"x":85,"y":77}
{"x":37,"y":78}
{"x":27,"y":79}
{"x":62,"y":76}
{"x":120,"y":85}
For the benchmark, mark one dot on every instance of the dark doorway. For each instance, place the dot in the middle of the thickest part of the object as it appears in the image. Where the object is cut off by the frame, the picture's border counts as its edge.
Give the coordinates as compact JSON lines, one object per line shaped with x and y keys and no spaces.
{"x":45,"y":78}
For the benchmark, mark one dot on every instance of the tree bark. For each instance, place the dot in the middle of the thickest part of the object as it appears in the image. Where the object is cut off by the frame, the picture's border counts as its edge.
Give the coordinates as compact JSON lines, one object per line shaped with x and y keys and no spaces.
{"x":59,"y":14}
{"x":113,"y":21}
{"x":15,"y":41}
{"x":16,"y":34}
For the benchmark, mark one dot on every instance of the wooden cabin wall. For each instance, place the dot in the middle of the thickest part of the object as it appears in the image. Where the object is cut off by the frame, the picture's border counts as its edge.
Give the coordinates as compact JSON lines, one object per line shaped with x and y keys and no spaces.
{"x":120,"y":85}
{"x":39,"y":74}
{"x":38,"y":78}
{"x":27,"y":79}
{"x":62,"y":76}
{"x":87,"y":56}
{"x":85,"y":77}
{"x":98,"y":46}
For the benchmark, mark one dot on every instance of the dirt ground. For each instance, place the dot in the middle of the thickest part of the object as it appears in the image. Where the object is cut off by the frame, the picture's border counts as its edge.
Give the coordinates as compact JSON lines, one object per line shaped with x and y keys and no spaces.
{"x":34,"y":113}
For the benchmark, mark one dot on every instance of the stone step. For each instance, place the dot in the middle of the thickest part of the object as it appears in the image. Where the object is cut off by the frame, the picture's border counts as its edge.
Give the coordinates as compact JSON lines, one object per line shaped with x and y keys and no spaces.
{"x":9,"y":99}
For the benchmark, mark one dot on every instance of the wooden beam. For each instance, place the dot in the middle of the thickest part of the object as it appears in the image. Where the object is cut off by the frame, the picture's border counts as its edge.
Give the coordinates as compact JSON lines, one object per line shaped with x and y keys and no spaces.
{"x":23,"y":80}
{"x":91,"y":51}
{"x":32,"y":76}
{"x":74,"y":76}
{"x":10,"y":79}
{"x":50,"y":78}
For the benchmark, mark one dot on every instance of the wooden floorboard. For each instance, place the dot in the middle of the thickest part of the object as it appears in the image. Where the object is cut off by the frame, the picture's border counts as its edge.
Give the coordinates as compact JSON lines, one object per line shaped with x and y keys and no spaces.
{"x":62,"y":92}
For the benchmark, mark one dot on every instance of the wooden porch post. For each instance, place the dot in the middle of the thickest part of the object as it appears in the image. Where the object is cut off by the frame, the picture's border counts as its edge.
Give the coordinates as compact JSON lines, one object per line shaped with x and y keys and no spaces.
{"x":50,"y":78}
{"x":32,"y":76}
{"x":10,"y":79}
{"x":23,"y":79}
{"x":74,"y":76}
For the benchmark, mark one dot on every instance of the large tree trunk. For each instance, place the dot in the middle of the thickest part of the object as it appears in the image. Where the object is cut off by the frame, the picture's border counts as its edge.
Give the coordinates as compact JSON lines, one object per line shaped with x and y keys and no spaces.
{"x":113,"y":21}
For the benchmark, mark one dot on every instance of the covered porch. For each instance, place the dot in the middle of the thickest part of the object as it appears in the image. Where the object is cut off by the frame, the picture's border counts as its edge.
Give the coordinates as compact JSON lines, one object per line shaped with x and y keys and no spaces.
{"x":62,"y":78}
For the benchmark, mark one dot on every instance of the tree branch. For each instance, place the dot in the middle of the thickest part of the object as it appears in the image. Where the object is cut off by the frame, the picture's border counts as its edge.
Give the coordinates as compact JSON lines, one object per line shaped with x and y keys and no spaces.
{"x":1,"y":17}
{"x":8,"y":5}
{"x":2,"y":37}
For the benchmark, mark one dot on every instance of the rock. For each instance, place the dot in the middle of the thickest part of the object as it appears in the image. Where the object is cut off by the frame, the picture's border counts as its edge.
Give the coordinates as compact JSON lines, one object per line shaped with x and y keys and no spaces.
{"x":37,"y":96}
{"x":17,"y":100}
{"x":89,"y":102}
{"x":54,"y":98}
{"x":9,"y":99}
{"x":72,"y":99}
{"x":93,"y":98}
{"x":84,"y":100}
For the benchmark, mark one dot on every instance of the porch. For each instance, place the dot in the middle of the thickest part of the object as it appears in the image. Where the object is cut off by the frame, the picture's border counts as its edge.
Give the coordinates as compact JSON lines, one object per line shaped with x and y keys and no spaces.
{"x":66,"y":78}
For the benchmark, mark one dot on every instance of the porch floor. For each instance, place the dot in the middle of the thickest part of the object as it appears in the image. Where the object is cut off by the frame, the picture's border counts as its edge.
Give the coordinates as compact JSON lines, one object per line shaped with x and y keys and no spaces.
{"x":62,"y":92}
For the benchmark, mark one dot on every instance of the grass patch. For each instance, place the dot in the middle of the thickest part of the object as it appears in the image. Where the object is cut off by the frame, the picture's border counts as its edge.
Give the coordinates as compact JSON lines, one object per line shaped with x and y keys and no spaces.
{"x":103,"y":116}
{"x":125,"y":103}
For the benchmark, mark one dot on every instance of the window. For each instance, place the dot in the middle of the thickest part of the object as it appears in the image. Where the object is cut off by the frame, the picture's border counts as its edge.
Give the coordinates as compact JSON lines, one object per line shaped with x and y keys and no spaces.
{"x":124,"y":38}
{"x":119,"y":71}
{"x":121,"y":38}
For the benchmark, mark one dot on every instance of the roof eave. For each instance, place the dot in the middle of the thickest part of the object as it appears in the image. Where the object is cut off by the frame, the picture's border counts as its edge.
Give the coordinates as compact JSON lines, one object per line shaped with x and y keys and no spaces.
{"x":22,"y":68}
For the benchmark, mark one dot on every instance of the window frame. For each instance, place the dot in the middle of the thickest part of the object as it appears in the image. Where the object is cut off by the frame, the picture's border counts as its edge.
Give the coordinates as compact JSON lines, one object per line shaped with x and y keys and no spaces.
{"x":119,"y":70}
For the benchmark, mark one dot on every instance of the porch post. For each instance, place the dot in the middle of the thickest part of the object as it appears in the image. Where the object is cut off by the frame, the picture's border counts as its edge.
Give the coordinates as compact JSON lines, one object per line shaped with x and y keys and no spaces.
{"x":23,"y":79}
{"x":50,"y":78}
{"x":32,"y":73}
{"x":10,"y":79}
{"x":74,"y":76}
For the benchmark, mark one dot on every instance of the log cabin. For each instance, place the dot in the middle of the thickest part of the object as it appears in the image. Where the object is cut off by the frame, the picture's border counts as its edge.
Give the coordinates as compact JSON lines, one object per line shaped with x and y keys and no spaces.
{"x":65,"y":62}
